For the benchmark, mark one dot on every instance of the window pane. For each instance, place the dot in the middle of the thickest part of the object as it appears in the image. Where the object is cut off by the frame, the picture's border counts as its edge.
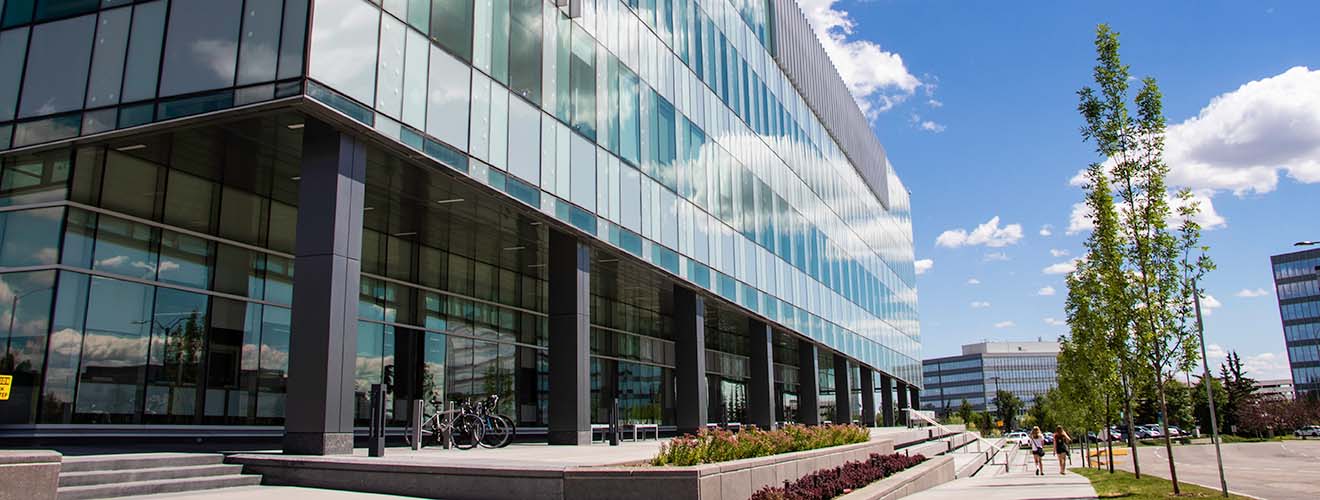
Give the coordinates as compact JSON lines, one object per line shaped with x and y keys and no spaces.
{"x":291,"y":41}
{"x":144,"y":46}
{"x":34,"y":179}
{"x":525,"y":138}
{"x":108,"y":59}
{"x":582,"y":78}
{"x":51,"y":9}
{"x":56,"y":77}
{"x":66,"y":342}
{"x":129,"y":185}
{"x":274,"y":362}
{"x":344,"y":47}
{"x":13,"y":51}
{"x":184,"y":260}
{"x":202,"y":46}
{"x":389,"y":89}
{"x":242,"y":216}
{"x":114,"y":356}
{"x":414,"y":80}
{"x":126,"y":248}
{"x":260,"y":41}
{"x":178,"y":338}
{"x":30,"y":237}
{"x":188,"y":200}
{"x":447,"y":101}
{"x":238,"y":271}
{"x":525,"y":49}
{"x":451,"y":26}
{"x":26,"y":304}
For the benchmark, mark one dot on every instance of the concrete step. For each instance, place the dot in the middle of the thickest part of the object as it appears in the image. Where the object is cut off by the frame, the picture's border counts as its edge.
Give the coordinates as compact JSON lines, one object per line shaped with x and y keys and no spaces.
{"x":127,"y":461}
{"x":148,"y":474}
{"x":156,"y":486}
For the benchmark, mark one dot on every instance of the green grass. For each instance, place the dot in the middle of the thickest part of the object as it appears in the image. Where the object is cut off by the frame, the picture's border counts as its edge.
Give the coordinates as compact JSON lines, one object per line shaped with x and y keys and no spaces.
{"x":1125,"y":485}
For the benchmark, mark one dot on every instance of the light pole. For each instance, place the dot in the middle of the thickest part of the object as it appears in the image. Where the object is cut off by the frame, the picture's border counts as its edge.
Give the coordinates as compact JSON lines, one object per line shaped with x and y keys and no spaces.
{"x":1209,"y":393}
{"x":13,"y":312}
{"x":1306,"y":243}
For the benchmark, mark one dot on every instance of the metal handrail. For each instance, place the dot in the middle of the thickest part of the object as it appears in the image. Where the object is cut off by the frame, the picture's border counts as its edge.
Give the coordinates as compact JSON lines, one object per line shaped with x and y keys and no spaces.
{"x":989,"y":459}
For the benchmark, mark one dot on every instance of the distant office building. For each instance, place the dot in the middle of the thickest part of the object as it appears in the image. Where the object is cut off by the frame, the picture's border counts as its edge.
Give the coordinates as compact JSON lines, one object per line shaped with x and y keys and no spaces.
{"x":1025,"y":369}
{"x":1295,"y":281}
{"x":1275,"y":388}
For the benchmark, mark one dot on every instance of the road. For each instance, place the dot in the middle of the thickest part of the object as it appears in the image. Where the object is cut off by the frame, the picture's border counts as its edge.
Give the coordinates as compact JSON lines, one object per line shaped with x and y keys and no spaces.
{"x":1287,"y":470}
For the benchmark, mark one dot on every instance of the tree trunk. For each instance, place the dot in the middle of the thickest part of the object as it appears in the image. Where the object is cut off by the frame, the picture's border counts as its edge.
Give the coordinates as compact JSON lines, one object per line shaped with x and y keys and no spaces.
{"x":1131,"y":429}
{"x":1164,"y":428}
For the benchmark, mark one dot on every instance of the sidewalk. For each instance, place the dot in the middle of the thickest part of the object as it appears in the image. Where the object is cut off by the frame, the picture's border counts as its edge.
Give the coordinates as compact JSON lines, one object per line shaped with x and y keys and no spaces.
{"x":1020,"y":482}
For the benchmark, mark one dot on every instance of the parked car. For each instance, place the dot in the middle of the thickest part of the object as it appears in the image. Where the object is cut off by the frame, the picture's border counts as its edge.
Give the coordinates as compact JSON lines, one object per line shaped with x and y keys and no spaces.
{"x":1149,"y":431}
{"x":1308,"y":431}
{"x":1018,"y":437}
{"x":1175,"y":432}
{"x":1049,"y":438}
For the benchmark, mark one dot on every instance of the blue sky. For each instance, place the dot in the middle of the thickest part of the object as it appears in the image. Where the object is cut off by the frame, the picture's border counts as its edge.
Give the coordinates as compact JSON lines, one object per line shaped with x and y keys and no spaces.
{"x":975,"y":103}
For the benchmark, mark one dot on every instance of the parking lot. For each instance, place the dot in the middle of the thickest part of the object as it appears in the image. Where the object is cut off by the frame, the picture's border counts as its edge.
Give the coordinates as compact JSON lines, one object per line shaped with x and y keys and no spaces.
{"x":1288,"y":470}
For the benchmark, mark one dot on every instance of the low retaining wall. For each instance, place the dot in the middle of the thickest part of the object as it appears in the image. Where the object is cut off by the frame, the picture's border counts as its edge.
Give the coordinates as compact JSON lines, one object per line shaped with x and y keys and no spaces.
{"x":29,"y":475}
{"x":737,"y":479}
{"x":921,"y":434}
{"x":929,"y":474}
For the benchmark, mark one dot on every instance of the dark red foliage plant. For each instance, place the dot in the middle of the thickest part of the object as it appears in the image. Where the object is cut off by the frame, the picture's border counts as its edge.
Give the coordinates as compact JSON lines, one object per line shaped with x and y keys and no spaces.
{"x":829,"y":483}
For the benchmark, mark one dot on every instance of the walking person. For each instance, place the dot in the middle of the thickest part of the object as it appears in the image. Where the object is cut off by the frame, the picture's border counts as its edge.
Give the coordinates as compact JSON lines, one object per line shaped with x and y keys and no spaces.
{"x":1061,"y":441}
{"x":1037,"y":441}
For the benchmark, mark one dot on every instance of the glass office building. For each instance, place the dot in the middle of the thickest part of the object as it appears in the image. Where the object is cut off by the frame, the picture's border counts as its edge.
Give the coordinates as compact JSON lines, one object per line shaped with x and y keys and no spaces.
{"x":669,"y":203}
{"x":1026,"y":369}
{"x":1297,"y":282}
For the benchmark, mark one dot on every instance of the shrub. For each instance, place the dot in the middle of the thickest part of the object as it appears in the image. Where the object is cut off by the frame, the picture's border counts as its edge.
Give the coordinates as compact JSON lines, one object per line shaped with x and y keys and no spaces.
{"x":722,"y":445}
{"x":829,"y":483}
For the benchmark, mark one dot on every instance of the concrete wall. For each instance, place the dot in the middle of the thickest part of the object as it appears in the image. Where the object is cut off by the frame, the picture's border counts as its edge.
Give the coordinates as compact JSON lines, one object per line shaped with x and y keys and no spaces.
{"x":728,"y":480}
{"x":29,"y":475}
{"x":929,"y":474}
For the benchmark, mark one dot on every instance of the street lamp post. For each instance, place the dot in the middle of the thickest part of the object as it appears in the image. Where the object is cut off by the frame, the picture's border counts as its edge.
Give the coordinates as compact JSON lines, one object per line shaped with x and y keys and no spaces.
{"x":1209,"y":392}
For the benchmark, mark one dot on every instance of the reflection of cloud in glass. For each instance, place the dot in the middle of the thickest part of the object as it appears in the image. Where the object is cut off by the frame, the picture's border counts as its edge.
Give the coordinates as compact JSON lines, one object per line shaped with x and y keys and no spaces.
{"x":221,"y":56}
{"x":112,"y":350}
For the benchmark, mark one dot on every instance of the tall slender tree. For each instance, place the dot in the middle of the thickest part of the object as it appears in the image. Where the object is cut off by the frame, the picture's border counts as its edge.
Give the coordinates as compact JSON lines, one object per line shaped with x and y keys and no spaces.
{"x":1158,"y":273}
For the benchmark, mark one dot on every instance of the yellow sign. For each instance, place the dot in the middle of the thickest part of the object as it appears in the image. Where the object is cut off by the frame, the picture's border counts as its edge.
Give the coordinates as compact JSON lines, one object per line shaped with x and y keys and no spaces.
{"x":5,"y":382}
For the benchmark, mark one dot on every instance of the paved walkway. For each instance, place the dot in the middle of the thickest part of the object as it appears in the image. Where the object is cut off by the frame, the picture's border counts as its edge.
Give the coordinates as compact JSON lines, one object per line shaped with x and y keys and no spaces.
{"x":1019,"y":483}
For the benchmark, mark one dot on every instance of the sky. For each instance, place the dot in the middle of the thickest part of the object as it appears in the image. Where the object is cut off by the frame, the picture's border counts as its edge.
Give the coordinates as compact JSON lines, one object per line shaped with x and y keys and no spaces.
{"x":975,"y":103}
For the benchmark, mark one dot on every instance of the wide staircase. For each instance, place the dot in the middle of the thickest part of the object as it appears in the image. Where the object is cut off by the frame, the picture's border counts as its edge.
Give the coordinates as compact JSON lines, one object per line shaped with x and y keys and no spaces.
{"x":107,"y":476}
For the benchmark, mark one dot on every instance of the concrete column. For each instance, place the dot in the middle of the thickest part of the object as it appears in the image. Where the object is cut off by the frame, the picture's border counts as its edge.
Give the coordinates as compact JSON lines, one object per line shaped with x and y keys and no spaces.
{"x":808,"y":388}
{"x":868,"y":397}
{"x":569,"y":271}
{"x":319,"y":411}
{"x":886,"y":400}
{"x":842,"y":391}
{"x":902,"y":403}
{"x":761,"y":383}
{"x":690,"y":360}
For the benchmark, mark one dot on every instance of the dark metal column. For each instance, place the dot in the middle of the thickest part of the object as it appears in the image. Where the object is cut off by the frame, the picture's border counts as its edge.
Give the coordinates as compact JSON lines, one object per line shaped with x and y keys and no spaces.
{"x":761,"y":382}
{"x":842,"y":391}
{"x":902,"y":403}
{"x":915,"y":399}
{"x":886,"y":400}
{"x":808,"y":386}
{"x":868,"y":397}
{"x":690,"y":359}
{"x":569,"y":271}
{"x":319,"y":411}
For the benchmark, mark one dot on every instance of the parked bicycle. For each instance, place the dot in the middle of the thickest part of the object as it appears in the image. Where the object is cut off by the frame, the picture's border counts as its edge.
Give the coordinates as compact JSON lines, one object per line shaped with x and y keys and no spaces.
{"x":469,"y":424}
{"x":463,"y":428}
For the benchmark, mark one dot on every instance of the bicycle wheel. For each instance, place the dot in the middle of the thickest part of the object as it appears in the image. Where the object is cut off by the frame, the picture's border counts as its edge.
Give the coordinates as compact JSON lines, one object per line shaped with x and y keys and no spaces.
{"x":513,"y":428}
{"x":497,"y":432}
{"x":466,"y":431}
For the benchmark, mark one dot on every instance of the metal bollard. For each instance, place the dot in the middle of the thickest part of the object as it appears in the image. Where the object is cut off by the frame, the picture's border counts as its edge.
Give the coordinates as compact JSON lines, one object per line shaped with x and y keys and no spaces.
{"x":376,"y":434}
{"x":446,"y":436}
{"x":614,"y":423}
{"x":415,"y":430}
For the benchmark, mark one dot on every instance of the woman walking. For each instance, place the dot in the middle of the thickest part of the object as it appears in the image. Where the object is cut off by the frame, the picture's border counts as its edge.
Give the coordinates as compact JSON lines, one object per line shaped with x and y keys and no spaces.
{"x":1037,"y":440}
{"x":1061,"y":441}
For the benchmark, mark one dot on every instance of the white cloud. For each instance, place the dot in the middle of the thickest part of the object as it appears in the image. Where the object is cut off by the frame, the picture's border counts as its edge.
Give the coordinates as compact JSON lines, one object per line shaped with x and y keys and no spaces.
{"x":979,"y":304}
{"x":1080,"y":218}
{"x":995,"y":257}
{"x":1243,"y":139}
{"x":1061,"y":268}
{"x":1055,"y":252}
{"x":877,"y":79}
{"x":1055,"y":322}
{"x":1260,"y":366}
{"x":923,"y":265}
{"x":1209,"y":303}
{"x":1248,"y":293}
{"x":1047,"y":230}
{"x":988,"y":234}
{"x":935,"y":103}
{"x":1045,"y":291}
{"x":1005,"y":324}
{"x":973,"y":281}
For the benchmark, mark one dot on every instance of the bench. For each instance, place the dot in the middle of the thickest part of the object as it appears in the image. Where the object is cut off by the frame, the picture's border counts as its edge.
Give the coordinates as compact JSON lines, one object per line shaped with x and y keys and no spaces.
{"x":643,"y":428}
